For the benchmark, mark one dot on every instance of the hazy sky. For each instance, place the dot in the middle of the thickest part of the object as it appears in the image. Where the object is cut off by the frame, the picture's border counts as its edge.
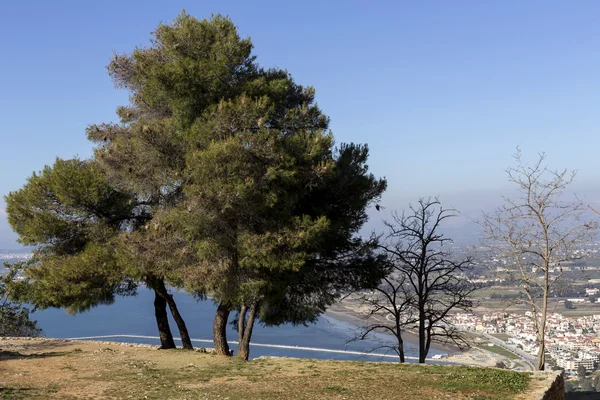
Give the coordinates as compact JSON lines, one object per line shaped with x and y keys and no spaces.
{"x":441,"y":91}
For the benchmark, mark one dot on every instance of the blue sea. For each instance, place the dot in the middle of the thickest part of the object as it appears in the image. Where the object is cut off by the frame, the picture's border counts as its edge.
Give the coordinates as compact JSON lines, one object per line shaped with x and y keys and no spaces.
{"x":135,"y":316}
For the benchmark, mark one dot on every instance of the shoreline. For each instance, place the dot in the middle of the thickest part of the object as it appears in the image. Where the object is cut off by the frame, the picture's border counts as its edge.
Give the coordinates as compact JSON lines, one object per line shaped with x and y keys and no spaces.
{"x":344,"y":313}
{"x":347,"y":313}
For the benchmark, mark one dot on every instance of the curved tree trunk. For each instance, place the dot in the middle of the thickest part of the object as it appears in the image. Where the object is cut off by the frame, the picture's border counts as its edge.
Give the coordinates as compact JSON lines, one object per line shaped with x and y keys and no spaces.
{"x":541,"y":357}
{"x":245,"y":330}
{"x":183,"y":332}
{"x":162,"y":320}
{"x":428,"y":342}
{"x":220,"y":329}
{"x":399,"y":335}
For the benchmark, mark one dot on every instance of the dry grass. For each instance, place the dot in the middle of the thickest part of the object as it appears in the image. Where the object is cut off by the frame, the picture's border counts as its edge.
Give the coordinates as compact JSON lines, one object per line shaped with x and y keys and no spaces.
{"x":45,"y":369}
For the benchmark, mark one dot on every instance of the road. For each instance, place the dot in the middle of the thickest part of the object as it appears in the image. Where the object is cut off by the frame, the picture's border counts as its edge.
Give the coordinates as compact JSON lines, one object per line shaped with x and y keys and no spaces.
{"x":525,"y":357}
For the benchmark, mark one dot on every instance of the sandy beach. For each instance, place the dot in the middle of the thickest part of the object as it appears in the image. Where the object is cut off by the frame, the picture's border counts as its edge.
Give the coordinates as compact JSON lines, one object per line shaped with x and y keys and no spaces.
{"x":347,"y":311}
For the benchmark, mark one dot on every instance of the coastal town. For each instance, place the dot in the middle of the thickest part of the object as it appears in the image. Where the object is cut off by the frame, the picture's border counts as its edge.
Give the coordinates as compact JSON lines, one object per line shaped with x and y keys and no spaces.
{"x":570,"y":342}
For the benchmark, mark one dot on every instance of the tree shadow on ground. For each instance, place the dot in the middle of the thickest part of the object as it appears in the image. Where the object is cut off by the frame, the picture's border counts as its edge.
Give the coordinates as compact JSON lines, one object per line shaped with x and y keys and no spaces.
{"x":12,"y":355}
{"x":38,"y":345}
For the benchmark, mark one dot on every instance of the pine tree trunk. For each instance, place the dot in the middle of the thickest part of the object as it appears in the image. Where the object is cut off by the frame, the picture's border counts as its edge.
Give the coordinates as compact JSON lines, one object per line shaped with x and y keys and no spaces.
{"x":183,"y":332}
{"x":241,"y":324}
{"x":220,"y":329}
{"x":244,"y":342}
{"x":162,"y":320}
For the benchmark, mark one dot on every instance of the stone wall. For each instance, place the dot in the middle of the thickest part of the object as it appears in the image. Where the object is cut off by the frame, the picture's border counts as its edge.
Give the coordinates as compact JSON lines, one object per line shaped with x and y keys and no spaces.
{"x":545,"y":385}
{"x":556,"y":391}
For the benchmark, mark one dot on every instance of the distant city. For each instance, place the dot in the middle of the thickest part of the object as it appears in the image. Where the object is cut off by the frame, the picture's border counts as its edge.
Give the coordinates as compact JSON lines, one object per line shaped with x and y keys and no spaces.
{"x":15,"y":255}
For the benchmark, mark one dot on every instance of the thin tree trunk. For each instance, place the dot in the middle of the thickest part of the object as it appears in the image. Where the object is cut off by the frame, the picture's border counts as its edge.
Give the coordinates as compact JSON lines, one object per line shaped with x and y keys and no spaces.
{"x":428,"y":341}
{"x":220,"y":329}
{"x":183,"y":332}
{"x":401,"y":349}
{"x":399,"y":337}
{"x":162,"y":320}
{"x":421,"y":292}
{"x":541,"y":356}
{"x":246,"y":336}
{"x":422,"y":337}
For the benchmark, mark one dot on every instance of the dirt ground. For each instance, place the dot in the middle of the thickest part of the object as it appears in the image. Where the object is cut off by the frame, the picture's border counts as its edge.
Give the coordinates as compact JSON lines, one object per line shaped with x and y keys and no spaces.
{"x":54,"y":369}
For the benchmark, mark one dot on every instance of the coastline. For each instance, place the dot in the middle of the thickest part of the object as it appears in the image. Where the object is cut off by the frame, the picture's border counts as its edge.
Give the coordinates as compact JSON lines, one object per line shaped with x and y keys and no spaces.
{"x":347,"y":312}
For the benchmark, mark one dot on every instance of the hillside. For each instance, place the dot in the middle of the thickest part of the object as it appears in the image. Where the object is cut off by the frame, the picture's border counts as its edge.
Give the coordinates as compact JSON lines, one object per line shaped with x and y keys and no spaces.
{"x":51,"y":369}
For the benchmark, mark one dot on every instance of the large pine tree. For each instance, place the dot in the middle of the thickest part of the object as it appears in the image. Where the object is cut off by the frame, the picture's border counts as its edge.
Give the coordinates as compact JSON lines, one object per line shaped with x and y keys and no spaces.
{"x":75,"y":218}
{"x":243,"y":195}
{"x":241,"y":172}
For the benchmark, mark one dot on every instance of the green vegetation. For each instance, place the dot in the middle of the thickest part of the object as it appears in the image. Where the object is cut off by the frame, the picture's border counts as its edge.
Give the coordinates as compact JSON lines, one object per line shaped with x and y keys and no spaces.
{"x":322,"y":382}
{"x":14,"y":318}
{"x":500,"y":292}
{"x":470,"y":378}
{"x":499,"y":350}
{"x":582,"y":310}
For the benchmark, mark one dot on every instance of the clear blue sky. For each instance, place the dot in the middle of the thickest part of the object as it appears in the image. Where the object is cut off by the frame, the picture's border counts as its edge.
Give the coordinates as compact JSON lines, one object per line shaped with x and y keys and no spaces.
{"x":441,"y":91}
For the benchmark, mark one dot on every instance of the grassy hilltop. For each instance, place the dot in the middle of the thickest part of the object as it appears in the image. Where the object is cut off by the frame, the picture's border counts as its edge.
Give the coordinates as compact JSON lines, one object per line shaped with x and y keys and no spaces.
{"x":47,"y":369}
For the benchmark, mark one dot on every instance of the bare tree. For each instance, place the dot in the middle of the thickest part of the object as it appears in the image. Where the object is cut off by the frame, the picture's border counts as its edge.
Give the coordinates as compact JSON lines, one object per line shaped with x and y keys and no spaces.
{"x":425,"y":283}
{"x":538,"y":230}
{"x":388,"y":309}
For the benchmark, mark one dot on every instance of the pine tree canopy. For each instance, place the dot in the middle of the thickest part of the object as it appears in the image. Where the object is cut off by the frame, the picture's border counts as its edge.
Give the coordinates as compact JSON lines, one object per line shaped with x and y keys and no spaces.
{"x":73,"y":216}
{"x":221,"y":177}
